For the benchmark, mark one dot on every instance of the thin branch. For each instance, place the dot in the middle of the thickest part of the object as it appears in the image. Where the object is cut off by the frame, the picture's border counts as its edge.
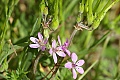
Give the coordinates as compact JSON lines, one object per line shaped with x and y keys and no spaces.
{"x":36,"y":62}
{"x":10,"y":42}
{"x":14,"y":53}
{"x":11,"y":57}
{"x":57,"y":67}
{"x":72,"y":36}
{"x":48,"y":73}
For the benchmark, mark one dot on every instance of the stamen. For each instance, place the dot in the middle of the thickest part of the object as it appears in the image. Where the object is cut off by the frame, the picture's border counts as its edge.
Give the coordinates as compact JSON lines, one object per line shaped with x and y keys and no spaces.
{"x":40,"y":43}
{"x":74,"y":65}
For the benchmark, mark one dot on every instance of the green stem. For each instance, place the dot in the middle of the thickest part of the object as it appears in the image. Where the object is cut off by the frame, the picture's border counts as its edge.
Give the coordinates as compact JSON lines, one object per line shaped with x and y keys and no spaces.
{"x":88,"y":39}
{"x":80,"y":78}
{"x":48,"y":73}
{"x":104,"y":47}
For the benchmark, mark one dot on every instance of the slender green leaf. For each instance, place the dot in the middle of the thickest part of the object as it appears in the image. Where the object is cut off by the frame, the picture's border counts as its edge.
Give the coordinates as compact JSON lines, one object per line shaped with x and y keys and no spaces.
{"x":100,"y":40}
{"x":80,"y":78}
{"x":34,"y":27}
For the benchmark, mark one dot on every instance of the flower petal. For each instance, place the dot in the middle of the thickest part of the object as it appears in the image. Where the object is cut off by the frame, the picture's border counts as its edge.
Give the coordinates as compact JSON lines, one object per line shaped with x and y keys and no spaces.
{"x":68,"y":65}
{"x":34,"y":45}
{"x":66,"y":43}
{"x":55,"y":57}
{"x":40,"y":36}
{"x":59,"y":48}
{"x":54,"y":44}
{"x":74,"y":57}
{"x":61,"y":53}
{"x":59,"y":40}
{"x":79,"y":69}
{"x":74,"y":73}
{"x":80,"y":62}
{"x":67,"y":51}
{"x":34,"y":40}
{"x":43,"y":48}
{"x":51,"y":51}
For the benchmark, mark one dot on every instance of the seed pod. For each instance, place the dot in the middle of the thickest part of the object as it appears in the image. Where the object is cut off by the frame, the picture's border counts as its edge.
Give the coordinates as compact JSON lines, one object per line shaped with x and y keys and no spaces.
{"x":55,"y":20}
{"x":46,"y":33}
{"x":45,"y":11}
{"x":55,"y":23}
{"x":81,"y":10}
{"x":100,"y":15}
{"x":81,"y":7}
{"x":90,"y":13}
{"x":79,"y":18}
{"x":86,"y":6}
{"x":42,"y":6}
{"x":95,"y":24}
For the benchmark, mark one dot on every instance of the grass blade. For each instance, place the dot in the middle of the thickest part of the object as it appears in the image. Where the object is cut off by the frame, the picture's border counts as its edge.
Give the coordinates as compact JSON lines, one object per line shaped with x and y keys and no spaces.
{"x":80,"y":78}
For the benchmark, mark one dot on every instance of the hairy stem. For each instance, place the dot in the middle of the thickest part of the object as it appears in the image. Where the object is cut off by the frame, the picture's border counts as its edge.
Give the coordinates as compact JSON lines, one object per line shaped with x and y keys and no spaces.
{"x":48,"y":73}
{"x":72,"y":36}
{"x":56,"y":68}
{"x":36,"y":63}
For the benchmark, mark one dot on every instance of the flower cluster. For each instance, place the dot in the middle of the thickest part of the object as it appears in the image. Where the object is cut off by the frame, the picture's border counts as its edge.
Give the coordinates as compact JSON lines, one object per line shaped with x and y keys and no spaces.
{"x":39,"y":43}
{"x":60,"y":50}
{"x":57,"y":49}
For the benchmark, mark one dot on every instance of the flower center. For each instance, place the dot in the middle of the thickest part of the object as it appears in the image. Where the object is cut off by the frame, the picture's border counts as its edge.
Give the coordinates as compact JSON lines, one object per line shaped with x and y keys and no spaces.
{"x":40,"y":42}
{"x":74,"y":65}
{"x":54,"y":49}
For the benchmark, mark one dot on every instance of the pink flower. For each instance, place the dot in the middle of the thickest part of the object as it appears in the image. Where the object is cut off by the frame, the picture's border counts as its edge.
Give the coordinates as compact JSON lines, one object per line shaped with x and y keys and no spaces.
{"x":39,"y":43}
{"x":75,"y":65}
{"x":64,"y":46}
{"x":56,"y":50}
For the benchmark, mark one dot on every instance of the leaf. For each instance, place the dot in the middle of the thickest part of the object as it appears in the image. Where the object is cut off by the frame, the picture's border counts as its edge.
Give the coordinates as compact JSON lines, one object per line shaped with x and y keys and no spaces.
{"x":100,"y":40}
{"x":7,"y":51}
{"x":34,"y":27}
{"x":111,"y":52}
{"x":3,"y":76}
{"x":22,"y":40}
{"x":4,"y":66}
{"x":80,"y":78}
{"x":25,"y":60}
{"x":69,"y":7}
{"x":102,"y":13}
{"x":87,"y":50}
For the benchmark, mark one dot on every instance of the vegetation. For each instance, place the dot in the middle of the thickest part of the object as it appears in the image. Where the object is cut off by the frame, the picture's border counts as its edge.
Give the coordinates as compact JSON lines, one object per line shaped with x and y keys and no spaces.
{"x":45,"y":39}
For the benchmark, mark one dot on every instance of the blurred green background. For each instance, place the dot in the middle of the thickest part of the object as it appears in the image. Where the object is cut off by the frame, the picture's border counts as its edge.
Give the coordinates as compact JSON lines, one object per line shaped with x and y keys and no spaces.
{"x":20,"y":19}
